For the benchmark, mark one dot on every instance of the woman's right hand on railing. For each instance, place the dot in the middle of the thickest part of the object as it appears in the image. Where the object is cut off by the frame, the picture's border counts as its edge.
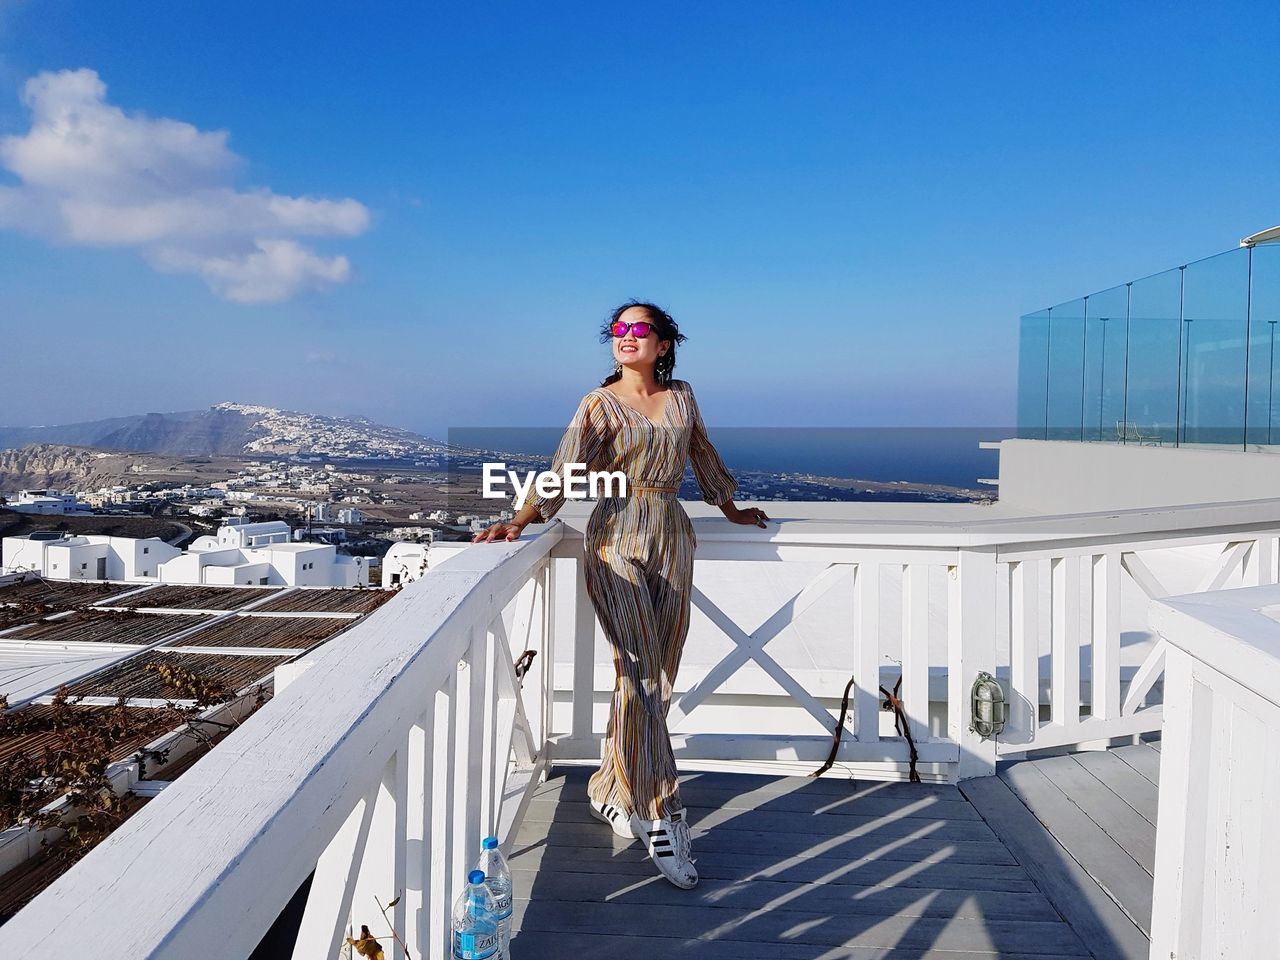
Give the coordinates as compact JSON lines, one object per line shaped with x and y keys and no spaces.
{"x":499,"y":531}
{"x":509,"y":531}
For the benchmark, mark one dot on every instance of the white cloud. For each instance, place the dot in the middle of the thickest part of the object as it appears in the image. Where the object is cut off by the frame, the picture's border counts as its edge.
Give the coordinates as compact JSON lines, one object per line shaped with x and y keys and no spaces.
{"x":92,"y":175}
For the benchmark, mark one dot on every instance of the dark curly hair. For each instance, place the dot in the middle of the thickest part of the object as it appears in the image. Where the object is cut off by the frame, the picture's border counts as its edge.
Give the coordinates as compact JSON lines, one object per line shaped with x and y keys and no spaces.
{"x":665,"y":327}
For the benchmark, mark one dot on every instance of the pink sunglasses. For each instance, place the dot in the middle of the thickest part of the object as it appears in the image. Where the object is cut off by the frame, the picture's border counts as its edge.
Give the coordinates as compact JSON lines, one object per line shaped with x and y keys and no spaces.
{"x":640,"y":328}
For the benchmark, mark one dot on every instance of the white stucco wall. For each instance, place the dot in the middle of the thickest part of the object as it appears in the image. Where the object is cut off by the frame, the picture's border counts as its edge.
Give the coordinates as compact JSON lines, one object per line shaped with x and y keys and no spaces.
{"x":237,"y":574}
{"x":1055,"y":476}
{"x":21,"y":554}
{"x":141,"y":559}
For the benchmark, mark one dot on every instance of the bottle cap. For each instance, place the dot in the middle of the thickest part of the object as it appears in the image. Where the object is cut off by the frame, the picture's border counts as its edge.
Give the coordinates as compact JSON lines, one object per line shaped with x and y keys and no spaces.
{"x":490,"y":843}
{"x":475,"y":876}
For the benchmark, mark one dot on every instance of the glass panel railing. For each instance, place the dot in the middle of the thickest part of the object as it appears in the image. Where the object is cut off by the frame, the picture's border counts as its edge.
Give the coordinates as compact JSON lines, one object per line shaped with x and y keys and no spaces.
{"x":1065,"y":420}
{"x":1105,"y":341}
{"x":1033,"y":375}
{"x":1152,"y":380}
{"x":1215,"y":319}
{"x":1262,"y":422}
{"x":1187,"y":356}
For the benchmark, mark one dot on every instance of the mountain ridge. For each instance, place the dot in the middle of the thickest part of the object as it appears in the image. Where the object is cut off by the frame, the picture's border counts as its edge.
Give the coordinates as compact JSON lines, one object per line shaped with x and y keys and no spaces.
{"x":232,"y":429}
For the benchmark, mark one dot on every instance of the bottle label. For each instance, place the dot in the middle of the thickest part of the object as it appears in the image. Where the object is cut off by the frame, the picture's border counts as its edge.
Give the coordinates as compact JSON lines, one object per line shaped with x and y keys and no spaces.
{"x":502,"y":906}
{"x":475,"y":946}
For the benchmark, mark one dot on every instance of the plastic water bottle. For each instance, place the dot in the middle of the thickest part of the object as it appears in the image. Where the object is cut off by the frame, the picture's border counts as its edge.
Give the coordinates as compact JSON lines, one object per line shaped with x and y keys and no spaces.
{"x":497,"y":877}
{"x":475,"y":928}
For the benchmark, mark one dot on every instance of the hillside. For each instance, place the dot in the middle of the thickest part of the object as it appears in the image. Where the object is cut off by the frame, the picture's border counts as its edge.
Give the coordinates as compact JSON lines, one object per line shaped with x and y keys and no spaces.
{"x":232,"y":430}
{"x":199,"y":433}
{"x":59,"y":466}
{"x":16,"y":524}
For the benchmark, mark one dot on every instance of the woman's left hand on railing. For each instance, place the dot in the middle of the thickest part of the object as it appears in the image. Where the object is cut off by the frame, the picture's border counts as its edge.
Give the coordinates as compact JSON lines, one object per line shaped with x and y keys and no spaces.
{"x":752,"y":515}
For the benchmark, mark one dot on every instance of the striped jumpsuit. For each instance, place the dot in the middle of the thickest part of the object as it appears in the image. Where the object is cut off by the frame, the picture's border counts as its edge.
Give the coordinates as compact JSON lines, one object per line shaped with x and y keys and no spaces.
{"x":638,"y":553}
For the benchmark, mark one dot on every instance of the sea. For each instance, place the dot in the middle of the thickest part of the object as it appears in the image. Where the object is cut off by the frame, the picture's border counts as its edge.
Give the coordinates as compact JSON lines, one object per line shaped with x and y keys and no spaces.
{"x":940,"y":455}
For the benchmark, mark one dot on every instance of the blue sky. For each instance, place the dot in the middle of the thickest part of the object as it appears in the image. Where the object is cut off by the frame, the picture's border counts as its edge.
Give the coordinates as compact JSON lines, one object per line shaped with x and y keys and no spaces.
{"x":847,"y":207}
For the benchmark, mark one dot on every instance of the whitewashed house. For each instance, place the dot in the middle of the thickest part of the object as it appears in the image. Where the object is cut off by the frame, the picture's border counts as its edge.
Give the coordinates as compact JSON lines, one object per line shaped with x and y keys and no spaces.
{"x":322,"y":511}
{"x":46,"y":502}
{"x":261,"y":553}
{"x":91,"y":557}
{"x":409,"y":561}
{"x":239,"y":554}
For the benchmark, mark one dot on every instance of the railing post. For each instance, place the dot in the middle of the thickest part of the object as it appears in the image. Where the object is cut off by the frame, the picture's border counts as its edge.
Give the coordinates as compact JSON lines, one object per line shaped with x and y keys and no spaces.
{"x":915,"y":648}
{"x":444,"y":775}
{"x":1064,"y":685}
{"x":493,"y":764}
{"x":971,"y":648}
{"x":418,"y":887}
{"x":382,"y":863}
{"x":1024,"y":651}
{"x":324,"y":918}
{"x":1184,"y":805}
{"x":1104,"y":684}
{"x":547,"y":652}
{"x":1217,"y":863}
{"x":1259,"y":562}
{"x":866,"y":708}
{"x":470,"y":763}
{"x":584,"y":654}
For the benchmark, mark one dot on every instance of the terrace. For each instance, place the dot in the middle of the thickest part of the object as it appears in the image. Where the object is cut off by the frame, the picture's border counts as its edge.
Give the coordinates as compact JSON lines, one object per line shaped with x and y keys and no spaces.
{"x":1124,"y":596}
{"x":102,"y":642}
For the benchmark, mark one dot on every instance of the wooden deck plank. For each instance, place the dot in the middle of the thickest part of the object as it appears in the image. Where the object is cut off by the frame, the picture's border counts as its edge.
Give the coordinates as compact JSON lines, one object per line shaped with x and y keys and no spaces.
{"x":868,"y":803}
{"x":698,"y":922}
{"x":1136,"y":836}
{"x":817,"y":898}
{"x":828,"y":869}
{"x":1102,"y":858}
{"x":1143,"y":758}
{"x":1122,"y":780}
{"x":940,"y":874}
{"x":818,"y":824}
{"x":537,"y":945}
{"x":1091,"y":913}
{"x":765,"y":784}
{"x":908,"y":848}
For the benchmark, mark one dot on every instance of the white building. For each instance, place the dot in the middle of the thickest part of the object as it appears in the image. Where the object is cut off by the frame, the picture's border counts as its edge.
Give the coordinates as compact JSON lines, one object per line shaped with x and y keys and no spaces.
{"x":413,"y":533}
{"x":276,"y":564}
{"x":45,"y":502}
{"x":57,"y":556}
{"x":240,"y":554}
{"x":406,"y":562}
{"x":240,"y":535}
{"x":350,"y":516}
{"x":320,"y":534}
{"x":323,"y":512}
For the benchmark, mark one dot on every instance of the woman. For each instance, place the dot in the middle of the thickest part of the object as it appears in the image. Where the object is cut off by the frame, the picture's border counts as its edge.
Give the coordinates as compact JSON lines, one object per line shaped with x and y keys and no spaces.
{"x":638,"y":554}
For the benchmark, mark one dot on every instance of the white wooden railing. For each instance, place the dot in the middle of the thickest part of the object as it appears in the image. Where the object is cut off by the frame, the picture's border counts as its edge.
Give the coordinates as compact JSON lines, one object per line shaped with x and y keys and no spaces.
{"x":379,"y":768}
{"x":383,"y":761}
{"x":1028,"y":600}
{"x":1217,"y":868}
{"x":1086,"y":577}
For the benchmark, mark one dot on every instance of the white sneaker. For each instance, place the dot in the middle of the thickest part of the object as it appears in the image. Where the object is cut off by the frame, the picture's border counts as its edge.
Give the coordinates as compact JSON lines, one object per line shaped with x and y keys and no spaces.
{"x":670,"y":847}
{"x":615,"y":817}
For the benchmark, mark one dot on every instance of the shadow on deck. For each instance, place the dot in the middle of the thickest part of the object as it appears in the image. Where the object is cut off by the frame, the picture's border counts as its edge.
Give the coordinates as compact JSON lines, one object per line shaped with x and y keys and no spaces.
{"x":796,"y":868}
